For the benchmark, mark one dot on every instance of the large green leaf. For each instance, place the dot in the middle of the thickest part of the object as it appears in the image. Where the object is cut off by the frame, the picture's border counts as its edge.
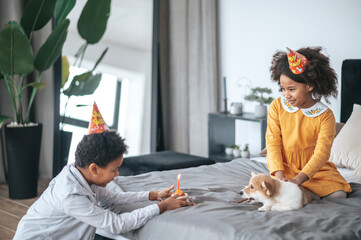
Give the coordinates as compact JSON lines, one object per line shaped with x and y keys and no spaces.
{"x":37,"y":14}
{"x":81,"y":50}
{"x":52,"y":47}
{"x":84,"y":84}
{"x":16,"y":54}
{"x":62,"y":9}
{"x":100,"y":58}
{"x":93,"y":20}
{"x":39,"y":85}
{"x":64,"y":70}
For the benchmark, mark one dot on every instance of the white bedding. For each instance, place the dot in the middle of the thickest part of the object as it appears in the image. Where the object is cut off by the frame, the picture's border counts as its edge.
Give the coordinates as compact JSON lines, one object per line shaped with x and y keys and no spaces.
{"x":347,"y":173}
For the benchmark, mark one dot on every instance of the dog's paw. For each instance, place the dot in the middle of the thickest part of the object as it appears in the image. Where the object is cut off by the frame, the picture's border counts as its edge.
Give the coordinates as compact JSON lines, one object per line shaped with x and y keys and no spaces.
{"x":264,"y":208}
{"x":251,"y":200}
{"x":281,"y":208}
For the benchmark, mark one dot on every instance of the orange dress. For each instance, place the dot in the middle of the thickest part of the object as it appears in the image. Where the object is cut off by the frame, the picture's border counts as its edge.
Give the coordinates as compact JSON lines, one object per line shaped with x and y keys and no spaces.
{"x":300,"y":140}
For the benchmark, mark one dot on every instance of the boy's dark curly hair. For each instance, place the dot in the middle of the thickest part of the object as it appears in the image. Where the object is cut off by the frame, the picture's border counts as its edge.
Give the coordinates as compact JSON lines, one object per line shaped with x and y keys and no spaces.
{"x":100,"y":148}
{"x":318,"y":72}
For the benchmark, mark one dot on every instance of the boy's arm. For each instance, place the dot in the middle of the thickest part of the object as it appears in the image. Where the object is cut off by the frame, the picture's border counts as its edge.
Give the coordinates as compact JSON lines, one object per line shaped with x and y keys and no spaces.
{"x":106,"y":196}
{"x":83,"y":209}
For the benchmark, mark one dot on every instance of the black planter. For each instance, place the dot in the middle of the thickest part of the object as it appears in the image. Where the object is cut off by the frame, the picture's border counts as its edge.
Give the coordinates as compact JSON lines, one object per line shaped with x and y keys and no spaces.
{"x":65,"y":141}
{"x":22,"y":146}
{"x":62,"y":142}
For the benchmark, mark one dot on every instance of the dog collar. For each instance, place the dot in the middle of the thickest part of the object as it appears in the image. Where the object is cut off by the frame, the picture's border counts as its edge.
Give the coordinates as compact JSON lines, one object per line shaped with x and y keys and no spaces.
{"x":316,"y":110}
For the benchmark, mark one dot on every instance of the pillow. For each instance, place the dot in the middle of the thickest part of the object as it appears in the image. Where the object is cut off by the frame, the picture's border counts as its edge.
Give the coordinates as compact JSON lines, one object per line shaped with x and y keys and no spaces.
{"x":346,"y":149}
{"x":339,"y":126}
{"x":263,"y":153}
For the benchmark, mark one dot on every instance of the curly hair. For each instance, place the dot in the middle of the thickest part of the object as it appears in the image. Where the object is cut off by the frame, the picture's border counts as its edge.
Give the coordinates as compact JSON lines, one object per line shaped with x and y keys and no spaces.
{"x":317,"y":74}
{"x":100,"y":148}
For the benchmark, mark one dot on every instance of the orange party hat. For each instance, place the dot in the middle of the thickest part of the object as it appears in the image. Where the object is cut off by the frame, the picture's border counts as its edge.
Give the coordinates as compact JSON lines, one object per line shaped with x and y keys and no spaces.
{"x":296,"y":61}
{"x":97,"y":123}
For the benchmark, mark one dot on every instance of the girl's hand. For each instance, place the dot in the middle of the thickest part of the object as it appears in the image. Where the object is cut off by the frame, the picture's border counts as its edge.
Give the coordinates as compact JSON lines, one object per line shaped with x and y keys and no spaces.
{"x":280,"y":175}
{"x":294,"y":180}
{"x":158,"y":195}
{"x":299,"y":179}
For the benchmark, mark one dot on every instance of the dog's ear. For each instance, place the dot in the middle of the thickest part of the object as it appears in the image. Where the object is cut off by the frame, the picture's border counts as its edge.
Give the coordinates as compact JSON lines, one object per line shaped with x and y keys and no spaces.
{"x":253,"y":174}
{"x":268,"y":187}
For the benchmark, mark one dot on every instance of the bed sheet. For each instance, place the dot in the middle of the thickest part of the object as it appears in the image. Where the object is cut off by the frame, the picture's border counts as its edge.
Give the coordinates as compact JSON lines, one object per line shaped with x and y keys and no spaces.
{"x":215,"y":189}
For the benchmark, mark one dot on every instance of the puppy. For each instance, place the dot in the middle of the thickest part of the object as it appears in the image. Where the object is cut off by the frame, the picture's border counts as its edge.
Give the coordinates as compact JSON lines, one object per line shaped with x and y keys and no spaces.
{"x":276,"y":195}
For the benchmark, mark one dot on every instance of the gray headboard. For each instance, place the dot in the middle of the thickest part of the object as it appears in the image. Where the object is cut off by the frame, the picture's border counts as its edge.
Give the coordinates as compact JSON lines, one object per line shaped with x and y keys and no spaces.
{"x":350,"y":86}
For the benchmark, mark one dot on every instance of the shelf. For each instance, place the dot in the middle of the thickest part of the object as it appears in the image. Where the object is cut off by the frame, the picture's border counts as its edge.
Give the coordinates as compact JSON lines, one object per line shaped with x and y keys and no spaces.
{"x":222,"y":157}
{"x":221,"y":133}
{"x":245,"y":116}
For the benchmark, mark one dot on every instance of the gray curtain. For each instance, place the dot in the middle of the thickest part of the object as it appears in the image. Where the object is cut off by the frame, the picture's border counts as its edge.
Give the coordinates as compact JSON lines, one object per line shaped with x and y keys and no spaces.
{"x":44,"y":101}
{"x":188,"y":70}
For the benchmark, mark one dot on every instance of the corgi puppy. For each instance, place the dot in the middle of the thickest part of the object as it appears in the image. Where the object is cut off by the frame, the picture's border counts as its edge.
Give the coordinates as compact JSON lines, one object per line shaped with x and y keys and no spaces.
{"x":276,"y":195}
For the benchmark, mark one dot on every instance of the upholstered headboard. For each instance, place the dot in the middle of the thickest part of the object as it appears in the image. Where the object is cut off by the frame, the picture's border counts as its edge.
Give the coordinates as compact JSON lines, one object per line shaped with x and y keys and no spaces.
{"x":350,"y":86}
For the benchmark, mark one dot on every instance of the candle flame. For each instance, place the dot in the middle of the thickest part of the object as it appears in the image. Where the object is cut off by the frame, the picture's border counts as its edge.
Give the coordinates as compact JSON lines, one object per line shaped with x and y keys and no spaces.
{"x":179,"y":176}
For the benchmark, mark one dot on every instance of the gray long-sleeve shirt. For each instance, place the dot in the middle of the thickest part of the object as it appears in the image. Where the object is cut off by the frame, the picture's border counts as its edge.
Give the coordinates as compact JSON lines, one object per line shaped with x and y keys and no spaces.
{"x":68,"y":209}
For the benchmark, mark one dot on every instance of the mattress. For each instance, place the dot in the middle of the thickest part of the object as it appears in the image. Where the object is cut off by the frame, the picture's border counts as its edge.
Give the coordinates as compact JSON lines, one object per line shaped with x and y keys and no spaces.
{"x":215,"y":188}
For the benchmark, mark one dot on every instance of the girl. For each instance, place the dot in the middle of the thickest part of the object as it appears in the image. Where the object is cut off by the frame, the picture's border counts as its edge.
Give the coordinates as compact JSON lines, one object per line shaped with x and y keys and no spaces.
{"x":300,"y":128}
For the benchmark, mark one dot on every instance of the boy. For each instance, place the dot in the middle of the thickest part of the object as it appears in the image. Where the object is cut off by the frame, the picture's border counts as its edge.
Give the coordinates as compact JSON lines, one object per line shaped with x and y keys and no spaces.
{"x":70,"y":207}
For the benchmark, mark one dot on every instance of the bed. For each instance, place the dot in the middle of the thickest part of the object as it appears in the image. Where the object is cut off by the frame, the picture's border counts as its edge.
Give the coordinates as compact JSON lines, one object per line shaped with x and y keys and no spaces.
{"x":215,"y":189}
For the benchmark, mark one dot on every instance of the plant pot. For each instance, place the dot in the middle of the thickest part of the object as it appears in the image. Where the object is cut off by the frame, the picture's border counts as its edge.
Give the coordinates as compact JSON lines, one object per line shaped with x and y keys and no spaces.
{"x":260,"y":111}
{"x":229,"y":151}
{"x":245,"y":154}
{"x":61,"y":151}
{"x":65,"y":142}
{"x":22,"y":146}
{"x":236,"y":152}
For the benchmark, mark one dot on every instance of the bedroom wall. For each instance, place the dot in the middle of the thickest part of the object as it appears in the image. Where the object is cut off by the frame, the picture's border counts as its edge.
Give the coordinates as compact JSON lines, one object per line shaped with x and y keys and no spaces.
{"x":251,"y":31}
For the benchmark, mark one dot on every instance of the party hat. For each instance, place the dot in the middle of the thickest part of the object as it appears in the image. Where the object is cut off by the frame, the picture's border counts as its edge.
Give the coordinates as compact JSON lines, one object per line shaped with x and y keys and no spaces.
{"x":296,"y":61}
{"x":97,"y":123}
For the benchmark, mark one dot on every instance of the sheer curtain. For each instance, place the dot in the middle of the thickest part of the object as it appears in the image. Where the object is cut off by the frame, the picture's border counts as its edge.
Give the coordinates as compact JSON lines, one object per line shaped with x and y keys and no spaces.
{"x":44,"y":101}
{"x":188,"y":73}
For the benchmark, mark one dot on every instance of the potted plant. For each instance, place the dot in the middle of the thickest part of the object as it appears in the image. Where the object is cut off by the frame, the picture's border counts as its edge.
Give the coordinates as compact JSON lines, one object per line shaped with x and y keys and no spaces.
{"x":17,"y":60}
{"x":258,"y":96}
{"x":245,"y":151}
{"x":229,"y":149}
{"x":236,"y":151}
{"x":91,"y":27}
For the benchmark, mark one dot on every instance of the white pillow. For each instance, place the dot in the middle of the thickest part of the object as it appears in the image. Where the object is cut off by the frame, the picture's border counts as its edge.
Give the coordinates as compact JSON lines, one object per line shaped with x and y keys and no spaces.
{"x":346,"y":149}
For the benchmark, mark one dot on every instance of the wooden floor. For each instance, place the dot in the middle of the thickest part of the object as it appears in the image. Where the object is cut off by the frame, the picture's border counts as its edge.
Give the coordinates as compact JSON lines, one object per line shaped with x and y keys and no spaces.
{"x":11,"y":211}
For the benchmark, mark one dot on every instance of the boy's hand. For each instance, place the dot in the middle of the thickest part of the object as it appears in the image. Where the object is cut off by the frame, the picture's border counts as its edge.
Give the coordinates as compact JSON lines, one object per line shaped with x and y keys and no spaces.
{"x":173,"y":203}
{"x":158,"y":195}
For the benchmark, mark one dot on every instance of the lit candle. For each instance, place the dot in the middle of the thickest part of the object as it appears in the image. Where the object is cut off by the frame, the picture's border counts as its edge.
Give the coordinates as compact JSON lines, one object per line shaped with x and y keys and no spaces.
{"x":224,"y":88}
{"x":179,"y":176}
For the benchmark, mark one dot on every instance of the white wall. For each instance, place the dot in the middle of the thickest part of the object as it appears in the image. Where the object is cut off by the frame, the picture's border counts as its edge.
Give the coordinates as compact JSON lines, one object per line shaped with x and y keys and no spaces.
{"x":251,"y":31}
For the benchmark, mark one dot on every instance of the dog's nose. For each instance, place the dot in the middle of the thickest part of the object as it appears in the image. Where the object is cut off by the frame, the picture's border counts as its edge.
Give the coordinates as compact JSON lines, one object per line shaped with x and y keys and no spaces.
{"x":241,"y":193}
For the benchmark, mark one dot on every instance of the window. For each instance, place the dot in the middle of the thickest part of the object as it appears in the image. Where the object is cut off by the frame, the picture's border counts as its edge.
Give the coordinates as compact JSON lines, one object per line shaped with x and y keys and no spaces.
{"x":78,"y":108}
